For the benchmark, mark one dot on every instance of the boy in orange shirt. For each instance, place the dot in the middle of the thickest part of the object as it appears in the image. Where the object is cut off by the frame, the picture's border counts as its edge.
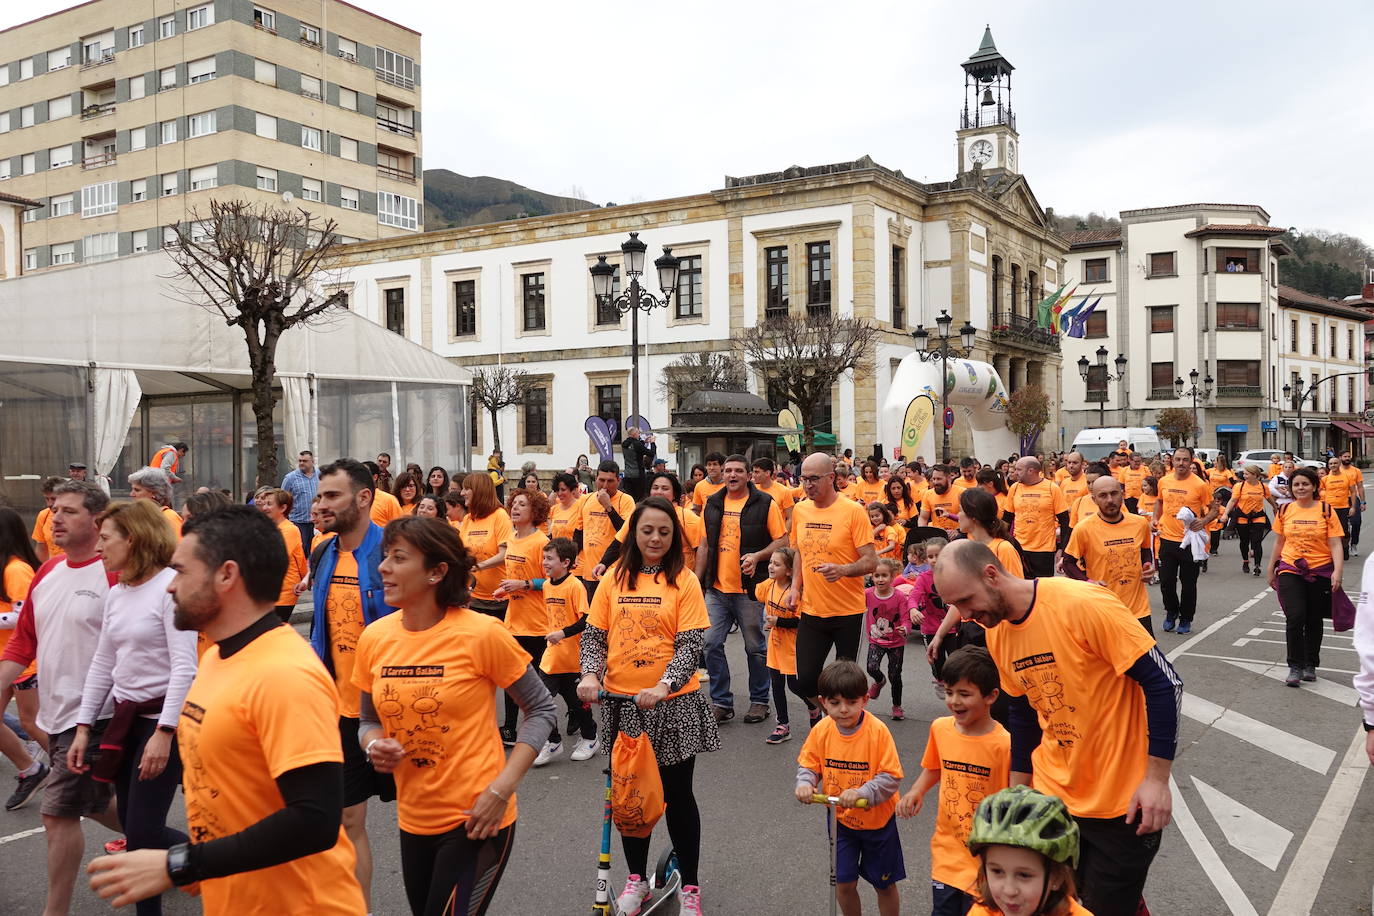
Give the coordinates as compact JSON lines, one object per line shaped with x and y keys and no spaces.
{"x":968,"y":755}
{"x":851,"y":754}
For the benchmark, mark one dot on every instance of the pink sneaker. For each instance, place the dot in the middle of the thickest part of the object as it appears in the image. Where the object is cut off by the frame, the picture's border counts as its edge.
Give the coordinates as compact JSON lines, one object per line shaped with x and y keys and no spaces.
{"x":874,"y":690}
{"x":689,"y":901}
{"x":116,"y":846}
{"x":633,"y":897}
{"x":898,"y":714}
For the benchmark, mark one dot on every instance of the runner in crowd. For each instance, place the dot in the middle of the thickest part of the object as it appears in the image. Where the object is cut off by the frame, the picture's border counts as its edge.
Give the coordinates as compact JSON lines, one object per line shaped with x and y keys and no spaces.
{"x":899,"y":501}
{"x":1084,"y":507}
{"x":44,"y":545}
{"x":1132,"y":477}
{"x":566,"y":601}
{"x":693,"y":528}
{"x":995,"y":482}
{"x":153,"y":484}
{"x":940,"y":503}
{"x":1036,"y":507}
{"x":603,"y":513}
{"x":407,"y":493}
{"x":707,"y":487}
{"x":18,"y":564}
{"x":1114,"y":548}
{"x":1179,"y":490}
{"x":486,"y":530}
{"x":968,"y":474}
{"x":168,"y":458}
{"x":1304,"y":569}
{"x":869,"y":486}
{"x":1246,"y":509}
{"x":1071,"y":478}
{"x":1337,"y":493}
{"x":385,"y":506}
{"x":527,"y":619}
{"x":1278,"y":483}
{"x":565,"y":511}
{"x":1356,"y":478}
{"x":980,"y":521}
{"x":766,"y":481}
{"x":276,"y":503}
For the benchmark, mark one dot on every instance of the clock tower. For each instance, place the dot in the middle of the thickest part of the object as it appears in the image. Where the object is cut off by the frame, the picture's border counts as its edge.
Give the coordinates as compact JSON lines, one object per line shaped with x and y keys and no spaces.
{"x":987,"y":126}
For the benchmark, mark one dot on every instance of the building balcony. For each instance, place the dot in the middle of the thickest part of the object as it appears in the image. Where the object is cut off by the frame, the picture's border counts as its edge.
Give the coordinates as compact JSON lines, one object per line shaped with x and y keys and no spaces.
{"x":1162,"y":394}
{"x":817,"y":310}
{"x":106,"y":56}
{"x":987,"y":116}
{"x":98,"y":160}
{"x":396,"y":127}
{"x":1022,"y":330}
{"x":100,"y":110}
{"x":387,"y":171}
{"x":1238,"y":391}
{"x":387,"y":76}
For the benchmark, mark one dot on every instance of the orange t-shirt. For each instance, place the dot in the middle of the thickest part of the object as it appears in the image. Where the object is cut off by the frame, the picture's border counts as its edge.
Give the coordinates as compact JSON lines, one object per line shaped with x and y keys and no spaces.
{"x":782,"y":641}
{"x":296,"y":563}
{"x":1132,"y":480}
{"x":960,"y":482}
{"x":1191,"y":492}
{"x":1073,"y":489}
{"x":42,"y":533}
{"x":918,"y":493}
{"x":484,"y":537}
{"x":343,"y":614}
{"x":888,"y":541}
{"x":563,"y":522}
{"x":319,"y":538}
{"x":781,"y":495}
{"x":266,"y":710}
{"x":1110,"y":554}
{"x":597,"y":531}
{"x":940,"y":506}
{"x":693,"y":530}
{"x":385,"y":507}
{"x":1216,"y":479}
{"x":435,"y":692}
{"x":729,"y":578}
{"x":1006,"y":554}
{"x":1083,"y":507}
{"x":1356,"y":478}
{"x":1335,"y":490}
{"x":1252,"y":497}
{"x":17,"y":577}
{"x":566,"y":602}
{"x":526,"y":614}
{"x":703,"y":491}
{"x":869,"y":492}
{"x":1275,"y":470}
{"x":849,"y":761}
{"x":641,"y":626}
{"x":1306,"y":532}
{"x":830,"y":535}
{"x":971,"y":767}
{"x":1069,"y":657}
{"x":1036,"y":508}
{"x":173,"y":520}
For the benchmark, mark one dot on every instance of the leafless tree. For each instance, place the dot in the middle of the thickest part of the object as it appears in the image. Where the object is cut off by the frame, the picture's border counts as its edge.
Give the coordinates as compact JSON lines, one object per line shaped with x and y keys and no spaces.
{"x":494,"y":388}
{"x":701,"y":371}
{"x":803,"y":357}
{"x":260,"y":268}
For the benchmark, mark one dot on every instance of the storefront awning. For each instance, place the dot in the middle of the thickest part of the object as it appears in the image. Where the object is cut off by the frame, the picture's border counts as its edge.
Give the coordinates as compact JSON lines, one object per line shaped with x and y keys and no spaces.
{"x":1354,"y":428}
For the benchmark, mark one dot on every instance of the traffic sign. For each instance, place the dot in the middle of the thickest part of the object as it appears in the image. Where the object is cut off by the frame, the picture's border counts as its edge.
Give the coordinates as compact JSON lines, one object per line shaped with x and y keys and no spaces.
{"x":949,"y":418}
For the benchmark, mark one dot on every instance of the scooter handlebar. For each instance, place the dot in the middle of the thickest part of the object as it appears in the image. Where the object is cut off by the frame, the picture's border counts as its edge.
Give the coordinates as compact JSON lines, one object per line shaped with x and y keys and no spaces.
{"x":604,"y":695}
{"x":819,"y":799}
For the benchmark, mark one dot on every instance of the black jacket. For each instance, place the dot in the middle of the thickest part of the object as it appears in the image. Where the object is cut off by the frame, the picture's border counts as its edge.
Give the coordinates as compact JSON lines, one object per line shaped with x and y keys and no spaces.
{"x":637,"y":456}
{"x":753,"y":534}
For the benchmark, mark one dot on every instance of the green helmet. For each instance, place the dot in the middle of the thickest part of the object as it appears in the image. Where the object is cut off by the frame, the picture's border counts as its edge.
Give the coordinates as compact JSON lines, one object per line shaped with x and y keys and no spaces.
{"x":1021,"y":816}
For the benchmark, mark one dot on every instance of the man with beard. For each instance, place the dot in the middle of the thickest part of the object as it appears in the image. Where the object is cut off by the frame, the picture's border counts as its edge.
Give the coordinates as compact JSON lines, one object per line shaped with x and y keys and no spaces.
{"x":1179,"y":490}
{"x":940,"y":506}
{"x":263,"y":772}
{"x":1114,"y":548}
{"x":968,"y":475}
{"x":1035,"y":508}
{"x":347,"y":591}
{"x":1071,"y":478}
{"x":1106,"y":701}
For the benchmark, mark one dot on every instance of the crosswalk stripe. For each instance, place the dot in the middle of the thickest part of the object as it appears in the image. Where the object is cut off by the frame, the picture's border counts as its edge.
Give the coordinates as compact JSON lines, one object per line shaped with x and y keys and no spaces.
{"x":1277,"y":671}
{"x":1246,"y":829}
{"x":1275,"y":740}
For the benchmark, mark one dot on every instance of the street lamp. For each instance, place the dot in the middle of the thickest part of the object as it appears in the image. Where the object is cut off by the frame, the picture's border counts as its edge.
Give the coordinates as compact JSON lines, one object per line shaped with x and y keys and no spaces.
{"x":1297,"y":396}
{"x":928,"y":351}
{"x":636,"y":298}
{"x":1194,"y":392}
{"x":1120,"y":361}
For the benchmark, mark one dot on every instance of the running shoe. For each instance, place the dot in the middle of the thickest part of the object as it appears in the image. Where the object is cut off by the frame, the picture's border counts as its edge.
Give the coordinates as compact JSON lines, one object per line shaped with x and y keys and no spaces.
{"x":1169,"y":624}
{"x":1294,"y":676}
{"x":1257,"y":573}
{"x":116,"y":846}
{"x":585,"y":748}
{"x":814,"y":715}
{"x":689,"y":901}
{"x":27,"y":786}
{"x":1245,"y":566}
{"x":898,"y":713}
{"x":757,"y":713}
{"x":874,"y":690}
{"x":1185,"y":627}
{"x":633,"y":897}
{"x":780,"y":734}
{"x":1204,"y":565}
{"x":723,"y":714}
{"x":1309,"y":673}
{"x":508,"y":736}
{"x":550,"y":750}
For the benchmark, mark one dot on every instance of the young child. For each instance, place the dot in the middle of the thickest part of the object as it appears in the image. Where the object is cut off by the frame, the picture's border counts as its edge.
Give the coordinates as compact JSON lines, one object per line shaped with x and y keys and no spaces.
{"x":1149,"y":492}
{"x":887,"y":620}
{"x":781,"y":624}
{"x":887,"y":537}
{"x":851,"y":754}
{"x":969,"y":756}
{"x":926,"y":605}
{"x":915,"y":561}
{"x":566,"y":600}
{"x":1027,"y":847}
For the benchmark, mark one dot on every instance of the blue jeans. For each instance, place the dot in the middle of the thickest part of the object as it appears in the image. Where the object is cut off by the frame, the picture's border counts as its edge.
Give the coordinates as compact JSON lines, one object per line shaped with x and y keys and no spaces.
{"x":725,"y":609}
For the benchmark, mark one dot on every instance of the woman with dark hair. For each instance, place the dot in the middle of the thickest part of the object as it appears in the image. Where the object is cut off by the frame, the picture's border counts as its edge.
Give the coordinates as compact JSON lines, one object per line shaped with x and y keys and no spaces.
{"x":430,"y":506}
{"x":530,"y":481}
{"x":455,"y":509}
{"x":1305,"y":567}
{"x":869,"y":486}
{"x":18,"y":563}
{"x":407,"y":490}
{"x":565,"y":510}
{"x":996,"y":484}
{"x":645,"y":632}
{"x":527,"y":618}
{"x":485,"y":531}
{"x":695,"y":476}
{"x":436,"y":482}
{"x":980,"y":520}
{"x":428,"y":676}
{"x":899,"y":500}
{"x":586,"y":474}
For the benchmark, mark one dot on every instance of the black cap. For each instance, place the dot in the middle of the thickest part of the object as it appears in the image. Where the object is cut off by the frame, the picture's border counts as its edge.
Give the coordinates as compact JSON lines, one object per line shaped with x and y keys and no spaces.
{"x":76,"y":466}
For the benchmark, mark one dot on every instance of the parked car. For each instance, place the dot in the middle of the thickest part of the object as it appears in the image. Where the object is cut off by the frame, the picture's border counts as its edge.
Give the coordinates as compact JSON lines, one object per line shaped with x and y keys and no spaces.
{"x":1261,"y":456}
{"x":1095,"y":443}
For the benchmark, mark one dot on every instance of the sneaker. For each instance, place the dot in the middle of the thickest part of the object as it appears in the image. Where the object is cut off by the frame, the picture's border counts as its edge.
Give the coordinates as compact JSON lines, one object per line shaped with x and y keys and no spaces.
{"x":116,"y":846}
{"x":508,"y":736}
{"x":723,"y":714}
{"x":1215,"y":554}
{"x":757,"y":713}
{"x":1354,"y":551}
{"x":27,"y":786}
{"x":875,"y":689}
{"x":814,"y":716}
{"x":689,"y":901}
{"x":1168,"y":624}
{"x":1204,"y":565}
{"x":780,"y":734}
{"x":1257,"y":573}
{"x":585,"y":749}
{"x":633,"y":897}
{"x":898,"y":713}
{"x":1294,"y":676}
{"x":550,"y":750}
{"x":1185,"y":627}
{"x":1309,"y":673}
{"x":1245,"y":567}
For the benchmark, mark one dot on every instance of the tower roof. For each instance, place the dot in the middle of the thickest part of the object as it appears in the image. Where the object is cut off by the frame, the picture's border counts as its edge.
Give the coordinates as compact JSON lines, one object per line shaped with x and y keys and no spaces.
{"x":987,"y":61}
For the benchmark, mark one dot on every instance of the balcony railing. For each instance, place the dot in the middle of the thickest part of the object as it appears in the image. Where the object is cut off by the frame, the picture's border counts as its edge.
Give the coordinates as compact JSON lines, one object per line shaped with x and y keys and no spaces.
{"x":1162,"y":394}
{"x":396,"y":127}
{"x":105,"y":56}
{"x":353,"y":58}
{"x":987,"y":116}
{"x":1238,"y":391}
{"x":1022,"y":329}
{"x":98,"y":160}
{"x":398,"y":174}
{"x":818,"y":310}
{"x":395,"y":79}
{"x":97,"y":111}
{"x":310,"y":43}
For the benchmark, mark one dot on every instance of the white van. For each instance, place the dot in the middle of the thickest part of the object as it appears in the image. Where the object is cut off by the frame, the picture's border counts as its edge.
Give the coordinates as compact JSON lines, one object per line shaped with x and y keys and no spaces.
{"x":1096,"y":444}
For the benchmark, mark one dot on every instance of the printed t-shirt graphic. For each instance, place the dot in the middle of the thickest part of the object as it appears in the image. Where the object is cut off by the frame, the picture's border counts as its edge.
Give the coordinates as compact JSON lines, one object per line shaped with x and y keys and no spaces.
{"x":830,"y":535}
{"x":1068,"y":657}
{"x":729,"y":578}
{"x":566,"y":602}
{"x":597,"y":531}
{"x":1191,"y":492}
{"x":484,"y":537}
{"x":941,"y":506}
{"x":1036,"y":508}
{"x":971,"y":767}
{"x":849,"y":761}
{"x":782,"y":641}
{"x":267,"y":709}
{"x":563,"y":522}
{"x":641,"y":625}
{"x":1305,"y":533}
{"x":433,"y":693}
{"x":1111,"y":555}
{"x":343,"y":613}
{"x":526,"y":614}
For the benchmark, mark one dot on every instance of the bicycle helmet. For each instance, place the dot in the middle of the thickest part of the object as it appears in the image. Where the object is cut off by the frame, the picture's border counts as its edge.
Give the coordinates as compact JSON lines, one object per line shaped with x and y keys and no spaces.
{"x":1021,"y":816}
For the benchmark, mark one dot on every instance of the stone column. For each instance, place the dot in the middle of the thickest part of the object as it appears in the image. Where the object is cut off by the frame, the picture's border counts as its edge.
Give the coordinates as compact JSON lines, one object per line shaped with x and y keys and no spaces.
{"x":1016,"y":374}
{"x":999,"y":363}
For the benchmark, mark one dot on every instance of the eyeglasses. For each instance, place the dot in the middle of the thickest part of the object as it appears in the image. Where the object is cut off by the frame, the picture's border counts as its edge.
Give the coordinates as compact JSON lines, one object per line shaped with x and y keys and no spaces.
{"x":817,"y":478}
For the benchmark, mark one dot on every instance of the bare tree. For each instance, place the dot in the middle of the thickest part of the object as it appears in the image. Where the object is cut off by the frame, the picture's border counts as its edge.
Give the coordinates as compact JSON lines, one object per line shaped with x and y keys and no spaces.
{"x":494,"y":388}
{"x":259,"y":267}
{"x":701,"y":371}
{"x":803,"y":358}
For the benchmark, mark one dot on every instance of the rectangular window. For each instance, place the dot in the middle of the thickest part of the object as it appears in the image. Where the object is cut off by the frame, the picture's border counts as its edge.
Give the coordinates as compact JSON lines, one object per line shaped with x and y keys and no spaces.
{"x":396,"y":69}
{"x":61,"y":205}
{"x":201,"y":124}
{"x":348,"y":99}
{"x":138,"y":189}
{"x":310,"y":34}
{"x":30,"y":216}
{"x":1238,"y":316}
{"x":98,"y":199}
{"x":775,"y":260}
{"x":1095,"y":270}
{"x":64,"y":254}
{"x":395,"y":210}
{"x":267,"y":179}
{"x":4,"y":169}
{"x":1097,"y":383}
{"x":28,"y":164}
{"x":1349,"y":344}
{"x":311,"y":189}
{"x":1316,"y":342}
{"x":1096,"y":325}
{"x":348,"y":48}
{"x":1162,"y":319}
{"x":1234,"y":373}
{"x":169,"y":237}
{"x":310,"y":87}
{"x":348,"y":198}
{"x":1293,"y":336}
{"x":26,"y":68}
{"x":140,"y":241}
{"x":348,"y":149}
{"x":204,"y":177}
{"x":536,"y":408}
{"x":58,"y":58}
{"x":310,"y":138}
{"x":464,"y":308}
{"x":1238,"y":260}
{"x":59,"y":157}
{"x":138,"y":139}
{"x":103,"y":246}
{"x":168,"y":132}
{"x":26,"y":116}
{"x":606,"y":312}
{"x":200,"y":17}
{"x":135,"y":36}
{"x":609,"y":402}
{"x":688,"y":301}
{"x":532,"y":300}
{"x":1162,"y":380}
{"x":167,"y":78}
{"x":137,"y":86}
{"x":169,"y":184}
{"x":1162,"y":264}
{"x":4,"y":115}
{"x":264,"y":19}
{"x":265,"y":72}
{"x":31,"y":259}
{"x":200,"y":71}
{"x":166,"y":27}
{"x":898,"y":287}
{"x":60,"y":107}
{"x":266,"y":126}
{"x":818,"y":278}
{"x":395,"y":311}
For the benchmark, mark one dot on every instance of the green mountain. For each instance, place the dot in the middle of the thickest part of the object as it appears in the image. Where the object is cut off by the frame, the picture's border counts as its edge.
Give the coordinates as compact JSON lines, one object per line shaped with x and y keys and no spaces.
{"x":458,"y":200}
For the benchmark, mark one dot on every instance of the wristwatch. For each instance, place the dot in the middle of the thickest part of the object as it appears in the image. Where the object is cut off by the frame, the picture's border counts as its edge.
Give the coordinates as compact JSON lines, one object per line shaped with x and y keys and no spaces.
{"x":167,"y":729}
{"x":179,"y":867}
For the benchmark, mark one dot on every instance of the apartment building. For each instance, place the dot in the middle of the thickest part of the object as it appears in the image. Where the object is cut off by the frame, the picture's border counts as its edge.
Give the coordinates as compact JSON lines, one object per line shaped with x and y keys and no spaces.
{"x":121,"y":118}
{"x":1321,"y":361}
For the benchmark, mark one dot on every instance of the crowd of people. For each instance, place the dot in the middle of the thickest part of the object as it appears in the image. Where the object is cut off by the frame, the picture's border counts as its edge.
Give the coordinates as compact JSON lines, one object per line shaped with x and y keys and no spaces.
{"x":148,"y":648}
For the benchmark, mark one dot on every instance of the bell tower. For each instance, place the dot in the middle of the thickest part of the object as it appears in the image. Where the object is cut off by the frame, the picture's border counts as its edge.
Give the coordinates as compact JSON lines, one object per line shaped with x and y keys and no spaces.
{"x":987,"y":126}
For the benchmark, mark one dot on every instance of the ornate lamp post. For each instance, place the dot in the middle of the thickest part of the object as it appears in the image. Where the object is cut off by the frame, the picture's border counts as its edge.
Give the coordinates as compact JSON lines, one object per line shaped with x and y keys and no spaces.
{"x":929,"y":351}
{"x":1107,"y":377}
{"x":1297,"y":396}
{"x":1194,"y":392}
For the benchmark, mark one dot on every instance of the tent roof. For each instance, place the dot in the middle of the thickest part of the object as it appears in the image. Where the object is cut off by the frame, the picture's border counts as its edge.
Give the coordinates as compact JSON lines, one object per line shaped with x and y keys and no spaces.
{"x":129,"y":314}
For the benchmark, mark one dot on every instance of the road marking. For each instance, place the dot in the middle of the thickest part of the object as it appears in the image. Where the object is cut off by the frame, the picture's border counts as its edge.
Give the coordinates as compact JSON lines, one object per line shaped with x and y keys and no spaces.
{"x":1304,"y":879}
{"x":1275,"y":740}
{"x":1279,"y":628}
{"x":1244,"y":640}
{"x":1346,"y":696}
{"x":1230,"y":891}
{"x":19,"y":836}
{"x":1182,"y":647}
{"x":1238,"y":658}
{"x":1246,"y":829}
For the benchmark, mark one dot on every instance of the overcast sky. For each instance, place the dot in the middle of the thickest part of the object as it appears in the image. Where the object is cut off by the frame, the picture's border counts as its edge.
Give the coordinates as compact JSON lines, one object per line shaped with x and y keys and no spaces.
{"x":1119,"y":105}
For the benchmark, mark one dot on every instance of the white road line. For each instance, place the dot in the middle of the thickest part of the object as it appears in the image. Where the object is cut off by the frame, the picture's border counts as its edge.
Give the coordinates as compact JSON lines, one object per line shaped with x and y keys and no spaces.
{"x":1237,"y":658}
{"x":1277,"y":671}
{"x":1215,"y":625}
{"x":1278,"y":628}
{"x":1231,"y":892}
{"x":19,"y":836}
{"x":1245,"y":828}
{"x":1275,"y":740}
{"x":1279,"y":642}
{"x":1303,"y":881}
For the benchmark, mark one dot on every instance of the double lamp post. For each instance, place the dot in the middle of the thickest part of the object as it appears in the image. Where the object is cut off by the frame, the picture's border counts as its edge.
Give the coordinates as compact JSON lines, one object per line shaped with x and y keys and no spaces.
{"x":1120,"y":361}
{"x":1194,"y":392}
{"x":939,"y":349}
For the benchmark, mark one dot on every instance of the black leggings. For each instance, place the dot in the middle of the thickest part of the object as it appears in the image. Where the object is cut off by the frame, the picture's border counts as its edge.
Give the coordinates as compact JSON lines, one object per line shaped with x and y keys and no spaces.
{"x":143,"y":803}
{"x":535,"y":646}
{"x":1214,"y":539}
{"x":1304,"y":605}
{"x":565,"y":686}
{"x":1252,"y":542}
{"x":448,"y":874}
{"x":1344,"y":516}
{"x":815,"y":638}
{"x":1176,"y":565}
{"x":895,"y":656}
{"x":684,"y":825}
{"x":781,"y":684}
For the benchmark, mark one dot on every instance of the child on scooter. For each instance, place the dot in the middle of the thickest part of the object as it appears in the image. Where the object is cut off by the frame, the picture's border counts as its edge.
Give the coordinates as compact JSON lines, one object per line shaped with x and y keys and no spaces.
{"x":780,"y":622}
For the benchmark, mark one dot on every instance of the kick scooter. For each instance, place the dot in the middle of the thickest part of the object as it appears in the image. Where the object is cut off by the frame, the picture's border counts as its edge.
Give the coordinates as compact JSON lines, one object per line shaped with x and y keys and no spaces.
{"x":832,"y":802}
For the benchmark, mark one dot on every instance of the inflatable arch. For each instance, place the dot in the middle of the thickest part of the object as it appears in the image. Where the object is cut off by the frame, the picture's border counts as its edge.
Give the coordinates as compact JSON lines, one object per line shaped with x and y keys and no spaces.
{"x":909,"y":417}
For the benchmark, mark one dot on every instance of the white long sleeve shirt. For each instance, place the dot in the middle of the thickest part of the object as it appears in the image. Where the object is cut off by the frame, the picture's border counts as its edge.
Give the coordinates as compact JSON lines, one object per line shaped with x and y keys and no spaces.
{"x":1364,"y":641}
{"x":1196,"y":541}
{"x":141,"y":655}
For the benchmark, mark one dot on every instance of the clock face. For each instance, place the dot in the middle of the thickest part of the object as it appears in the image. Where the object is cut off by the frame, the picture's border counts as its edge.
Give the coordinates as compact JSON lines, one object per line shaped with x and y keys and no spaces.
{"x":1011,"y":154}
{"x":980,"y":152}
